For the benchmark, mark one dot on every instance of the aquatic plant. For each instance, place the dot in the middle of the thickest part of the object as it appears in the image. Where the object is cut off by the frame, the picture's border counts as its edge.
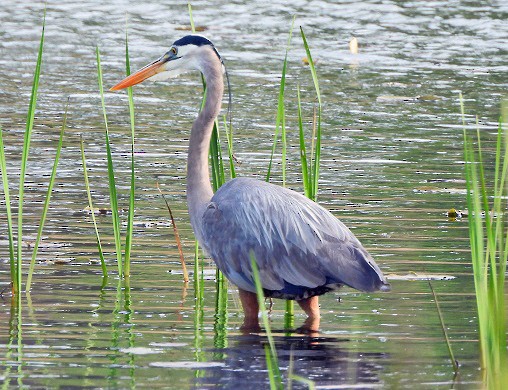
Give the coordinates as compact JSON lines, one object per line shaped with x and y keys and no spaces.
{"x":280,"y":119}
{"x":488,"y":235}
{"x":15,"y":255}
{"x":130,"y":215}
{"x":122,"y":264}
{"x":5,"y":183}
{"x":113,"y":198}
{"x":26,"y":148}
{"x":46,"y":202}
{"x":270,"y":349}
{"x":92,"y":212}
{"x":310,"y":166}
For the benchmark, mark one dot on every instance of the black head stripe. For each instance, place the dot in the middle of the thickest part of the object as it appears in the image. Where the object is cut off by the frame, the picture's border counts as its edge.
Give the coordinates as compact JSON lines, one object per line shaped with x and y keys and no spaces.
{"x":196,"y":40}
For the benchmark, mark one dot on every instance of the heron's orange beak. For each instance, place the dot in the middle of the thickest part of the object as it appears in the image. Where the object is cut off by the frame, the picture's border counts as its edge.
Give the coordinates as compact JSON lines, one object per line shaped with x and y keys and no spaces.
{"x":141,"y":75}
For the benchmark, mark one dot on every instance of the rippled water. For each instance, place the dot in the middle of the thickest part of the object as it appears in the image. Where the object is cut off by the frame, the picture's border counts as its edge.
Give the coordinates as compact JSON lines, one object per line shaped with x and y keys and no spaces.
{"x":391,"y":169}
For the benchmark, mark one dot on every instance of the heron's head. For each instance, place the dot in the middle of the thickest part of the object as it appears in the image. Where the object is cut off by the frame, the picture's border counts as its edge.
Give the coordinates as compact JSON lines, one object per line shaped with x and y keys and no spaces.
{"x":187,"y":53}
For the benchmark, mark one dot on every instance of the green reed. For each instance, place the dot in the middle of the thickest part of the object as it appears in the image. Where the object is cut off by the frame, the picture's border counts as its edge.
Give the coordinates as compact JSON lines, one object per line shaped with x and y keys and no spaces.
{"x":310,"y":166}
{"x":15,"y":254}
{"x":5,"y":183}
{"x":270,"y":350}
{"x":130,"y":216}
{"x":123,"y":264}
{"x":280,"y":119}
{"x":113,"y":197}
{"x":488,"y":235}
{"x":92,"y":212}
{"x":46,"y":201}
{"x":26,"y":148}
{"x":229,"y":139}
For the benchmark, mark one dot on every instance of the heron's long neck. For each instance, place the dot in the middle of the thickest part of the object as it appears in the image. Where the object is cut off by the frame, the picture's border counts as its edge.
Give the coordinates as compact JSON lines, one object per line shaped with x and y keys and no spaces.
{"x":199,"y":189}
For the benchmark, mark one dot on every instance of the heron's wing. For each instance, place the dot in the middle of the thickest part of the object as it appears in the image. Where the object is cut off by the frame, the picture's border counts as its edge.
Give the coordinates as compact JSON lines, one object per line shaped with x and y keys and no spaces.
{"x":294,"y":240}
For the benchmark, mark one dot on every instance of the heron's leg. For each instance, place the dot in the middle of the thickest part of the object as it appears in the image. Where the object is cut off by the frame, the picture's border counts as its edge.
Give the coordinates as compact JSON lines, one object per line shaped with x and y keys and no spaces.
{"x":250,"y":310}
{"x":311,"y":307}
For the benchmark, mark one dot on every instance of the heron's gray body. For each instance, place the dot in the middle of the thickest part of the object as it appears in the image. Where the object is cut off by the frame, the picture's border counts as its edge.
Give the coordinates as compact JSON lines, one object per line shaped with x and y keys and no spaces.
{"x":301,"y":249}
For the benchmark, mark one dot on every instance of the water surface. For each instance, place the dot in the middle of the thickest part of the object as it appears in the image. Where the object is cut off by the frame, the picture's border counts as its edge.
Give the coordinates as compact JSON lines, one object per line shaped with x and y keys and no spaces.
{"x":391,"y":169}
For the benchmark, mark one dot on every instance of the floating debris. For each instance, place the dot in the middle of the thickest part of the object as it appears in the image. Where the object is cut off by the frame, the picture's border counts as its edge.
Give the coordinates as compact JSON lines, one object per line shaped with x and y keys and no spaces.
{"x":406,"y":99}
{"x":415,"y":276}
{"x":100,"y":210}
{"x":168,"y":345}
{"x":437,"y":190}
{"x":353,"y":45}
{"x":187,"y":364}
{"x":189,"y":28}
{"x":62,"y":261}
{"x":140,"y":350}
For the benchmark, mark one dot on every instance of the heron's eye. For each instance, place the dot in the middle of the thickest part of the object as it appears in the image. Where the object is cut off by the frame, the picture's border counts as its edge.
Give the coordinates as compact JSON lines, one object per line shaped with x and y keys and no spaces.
{"x":173,"y":51}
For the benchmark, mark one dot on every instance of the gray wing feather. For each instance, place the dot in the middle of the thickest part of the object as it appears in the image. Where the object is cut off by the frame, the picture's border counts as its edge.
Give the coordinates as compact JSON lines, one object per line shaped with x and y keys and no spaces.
{"x":293,"y":239}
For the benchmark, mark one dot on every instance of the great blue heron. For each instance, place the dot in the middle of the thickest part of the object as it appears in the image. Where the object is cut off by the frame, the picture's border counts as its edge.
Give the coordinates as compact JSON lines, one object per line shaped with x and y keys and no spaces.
{"x":301,"y":249}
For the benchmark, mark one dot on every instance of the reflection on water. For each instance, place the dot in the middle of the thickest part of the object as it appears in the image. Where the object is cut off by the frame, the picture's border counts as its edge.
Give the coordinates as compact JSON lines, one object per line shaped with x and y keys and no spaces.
{"x":322,"y":359}
{"x":137,"y":334}
{"x":391,"y":169}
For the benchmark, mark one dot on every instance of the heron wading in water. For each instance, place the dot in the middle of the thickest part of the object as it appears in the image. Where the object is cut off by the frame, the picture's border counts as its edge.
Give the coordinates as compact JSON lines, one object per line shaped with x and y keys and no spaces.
{"x":301,"y":249}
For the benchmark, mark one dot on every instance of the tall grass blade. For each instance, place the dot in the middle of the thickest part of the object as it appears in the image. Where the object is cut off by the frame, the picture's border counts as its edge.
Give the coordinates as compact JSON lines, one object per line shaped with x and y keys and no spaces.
{"x":280,"y":120}
{"x":216,"y":161}
{"x":130,"y":217}
{"x":272,"y":360}
{"x":24,"y":158}
{"x":487,"y":230}
{"x":306,"y":180}
{"x":316,"y":152}
{"x":193,"y":28}
{"x":271,"y":367}
{"x":111,"y":173}
{"x":311,"y":65}
{"x":5,"y":183}
{"x":46,"y":201}
{"x":92,"y":213}
{"x":229,"y":138}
